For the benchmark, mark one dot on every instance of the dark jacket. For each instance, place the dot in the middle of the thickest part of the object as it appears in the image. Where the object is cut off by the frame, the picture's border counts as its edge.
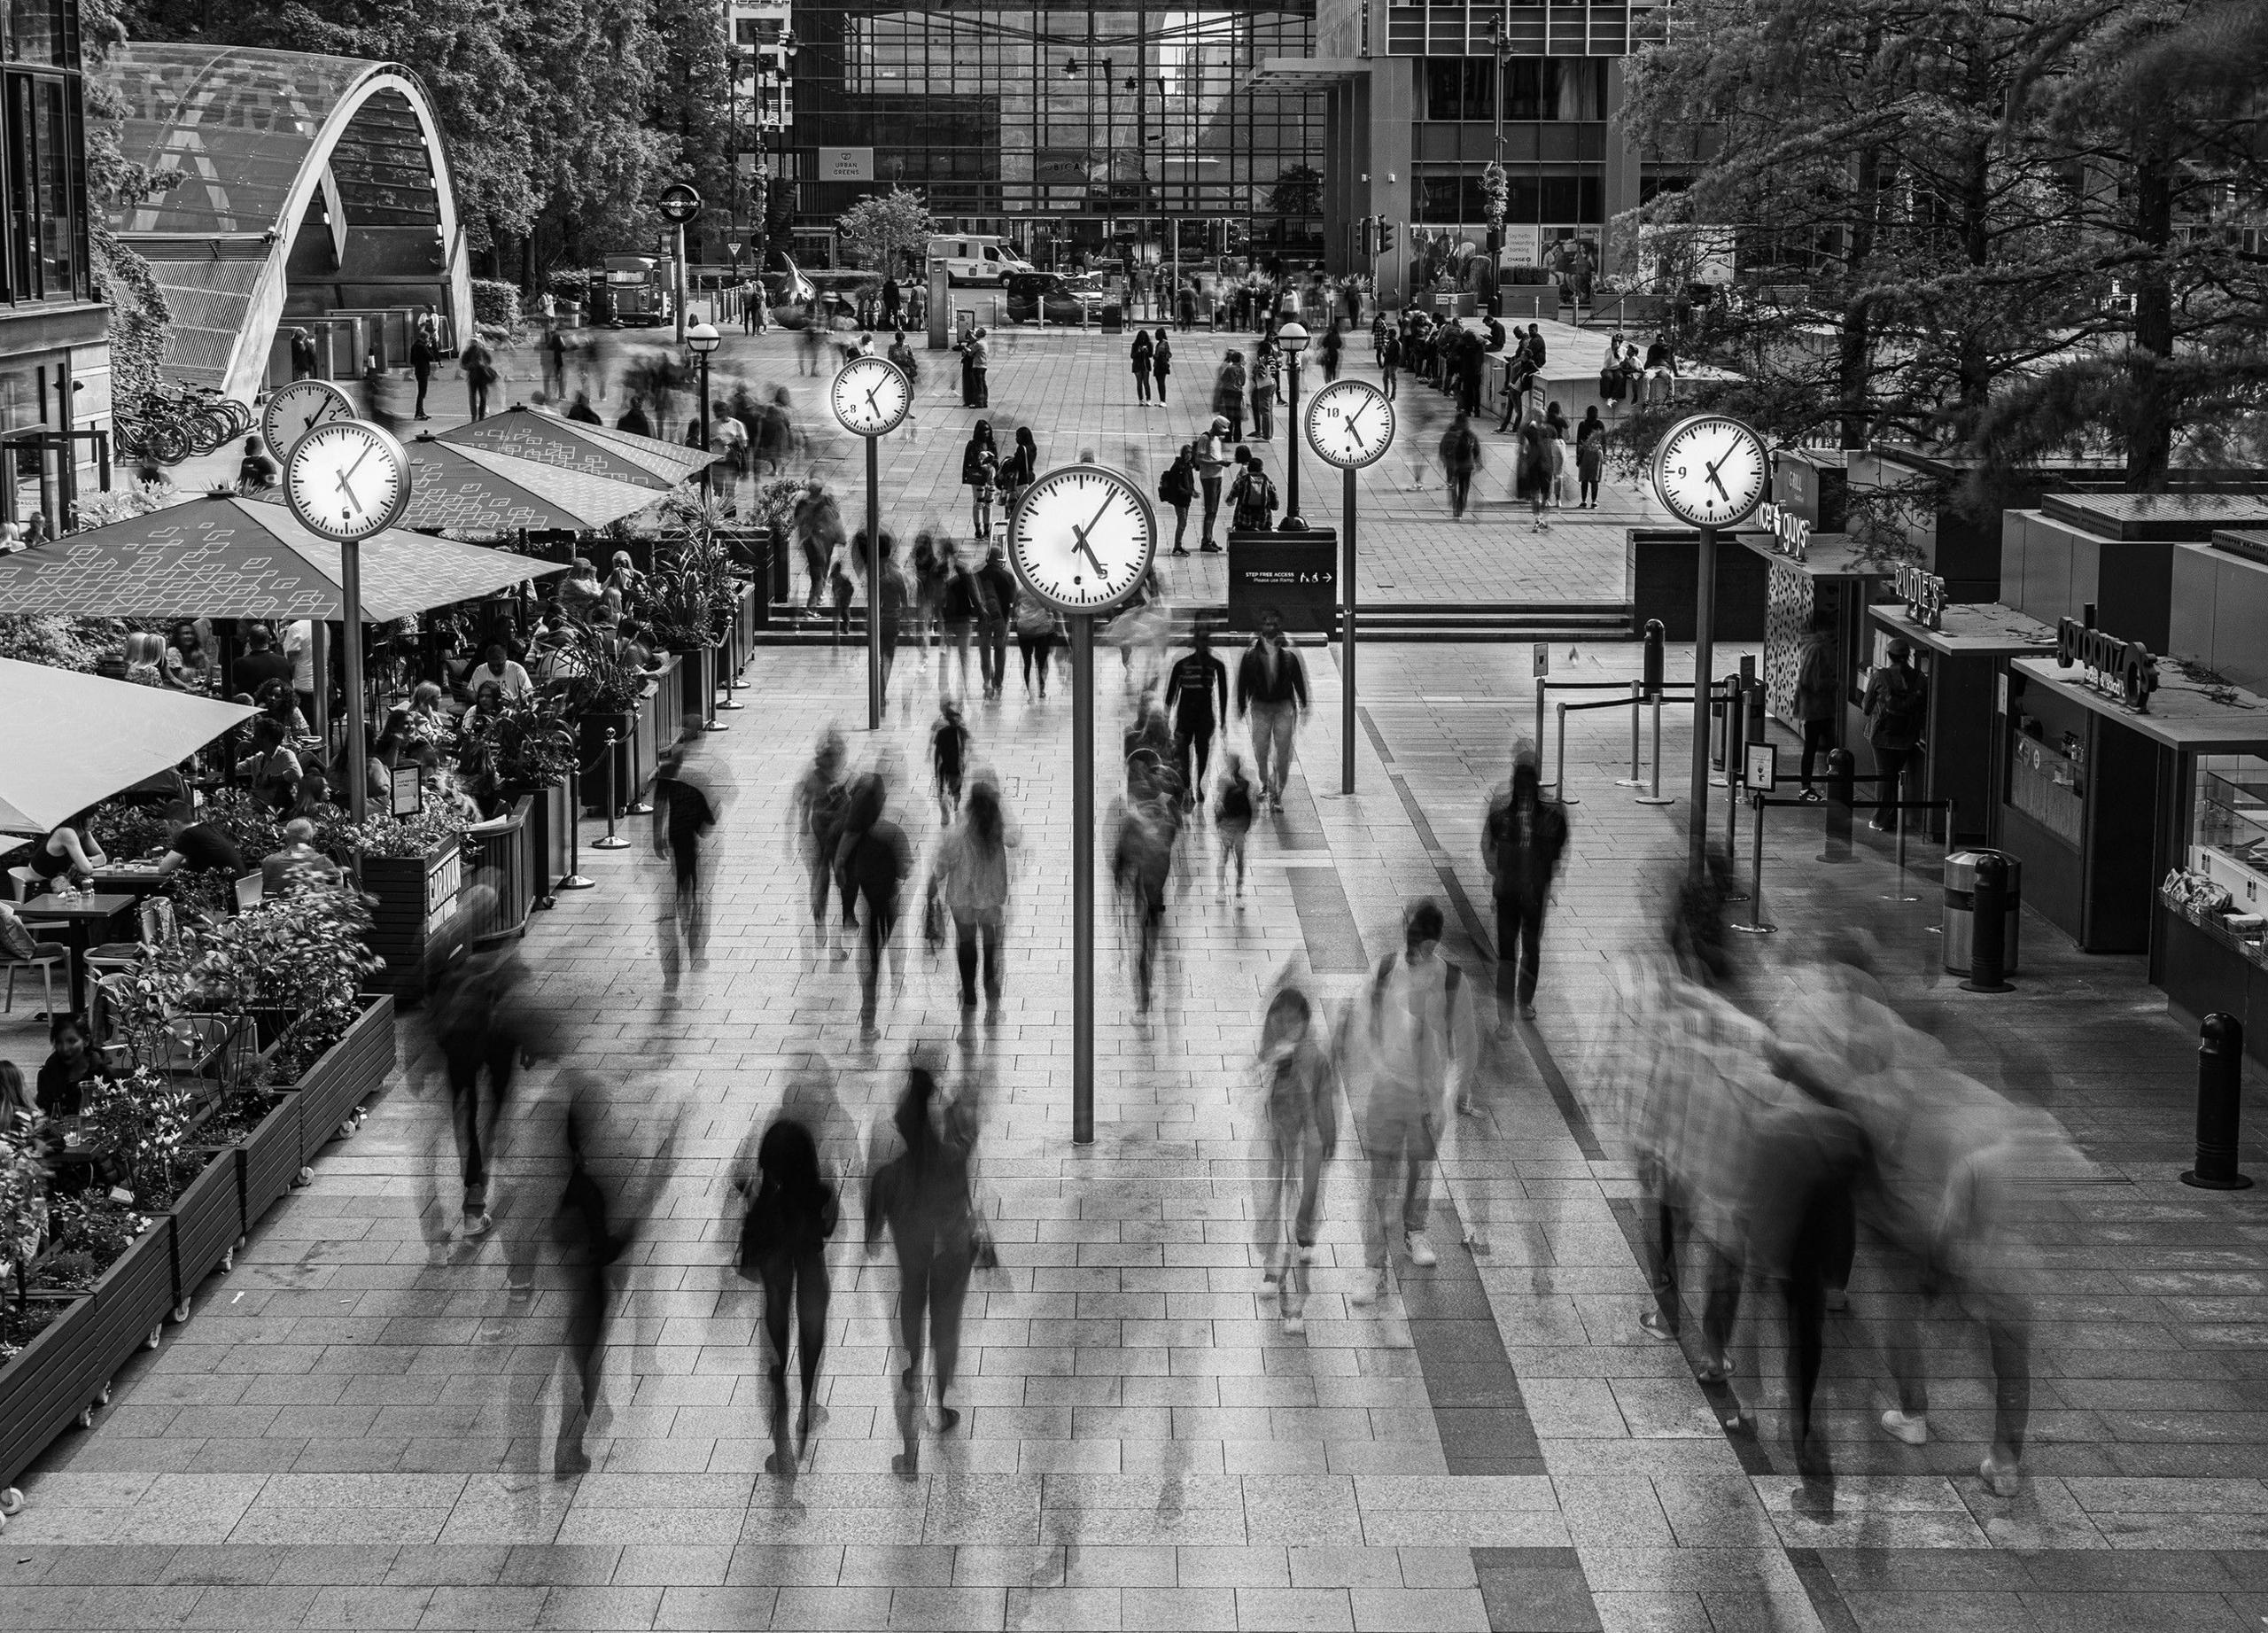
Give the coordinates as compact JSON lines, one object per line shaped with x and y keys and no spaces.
{"x":1523,"y":856}
{"x":1897,"y":706}
{"x":1253,"y":686}
{"x":1144,"y":351}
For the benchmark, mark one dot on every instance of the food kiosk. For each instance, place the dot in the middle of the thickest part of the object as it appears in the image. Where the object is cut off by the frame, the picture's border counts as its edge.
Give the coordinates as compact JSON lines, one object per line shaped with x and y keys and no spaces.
{"x":2114,"y":551}
{"x":2220,"y":607}
{"x":1920,"y":494}
{"x":1813,"y":573}
{"x":1964,"y":650}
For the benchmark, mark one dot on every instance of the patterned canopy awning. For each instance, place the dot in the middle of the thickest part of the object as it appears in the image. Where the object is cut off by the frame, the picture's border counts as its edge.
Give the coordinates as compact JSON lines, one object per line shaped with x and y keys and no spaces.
{"x":477,"y":491}
{"x":244,"y":558}
{"x":68,"y":740}
{"x":571,"y":444}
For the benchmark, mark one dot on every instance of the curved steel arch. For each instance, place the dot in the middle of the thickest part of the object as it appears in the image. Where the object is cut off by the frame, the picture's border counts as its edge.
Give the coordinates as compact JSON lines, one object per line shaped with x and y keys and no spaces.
{"x":255,"y":136}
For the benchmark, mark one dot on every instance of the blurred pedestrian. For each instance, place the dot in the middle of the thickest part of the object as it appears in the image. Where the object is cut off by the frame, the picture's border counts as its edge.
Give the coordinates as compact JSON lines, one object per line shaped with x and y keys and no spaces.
{"x":1232,"y":814}
{"x":969,"y":878}
{"x":1195,"y":680}
{"x":815,"y":815}
{"x":949,"y":743}
{"x":1148,"y":823}
{"x":996,"y":595}
{"x":1034,"y":622}
{"x":1522,"y":840}
{"x":1460,"y":459}
{"x":1302,"y":1091}
{"x":872,"y":860}
{"x":1272,"y":691}
{"x":692,"y":789}
{"x":921,"y":1194}
{"x":792,"y":1210}
{"x":474,"y":1009}
{"x":1897,"y":707}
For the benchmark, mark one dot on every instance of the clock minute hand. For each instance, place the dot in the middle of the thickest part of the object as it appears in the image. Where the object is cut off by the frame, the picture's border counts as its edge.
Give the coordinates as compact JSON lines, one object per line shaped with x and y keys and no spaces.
{"x":1080,"y":534}
{"x":1717,"y":482}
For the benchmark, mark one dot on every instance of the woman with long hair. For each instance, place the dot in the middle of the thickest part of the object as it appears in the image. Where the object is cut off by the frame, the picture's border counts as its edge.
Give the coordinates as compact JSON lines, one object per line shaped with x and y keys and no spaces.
{"x":970,"y":876}
{"x":922,"y":1195}
{"x":783,"y":1242}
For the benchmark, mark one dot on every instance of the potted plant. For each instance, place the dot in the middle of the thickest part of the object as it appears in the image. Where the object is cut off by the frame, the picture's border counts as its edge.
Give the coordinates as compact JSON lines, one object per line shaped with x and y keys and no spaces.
{"x":605,"y":687}
{"x":520,"y":757}
{"x":411,"y":867}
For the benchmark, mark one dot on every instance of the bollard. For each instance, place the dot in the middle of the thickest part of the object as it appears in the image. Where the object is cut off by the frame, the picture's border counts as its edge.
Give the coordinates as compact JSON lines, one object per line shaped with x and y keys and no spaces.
{"x":1635,"y":780}
{"x":574,"y":880}
{"x":1656,"y":797}
{"x":1756,"y":926}
{"x":1560,"y":773}
{"x":1842,"y":768}
{"x":2220,"y":1080}
{"x":612,"y":841}
{"x":1655,"y":634}
{"x":1988,"y":941}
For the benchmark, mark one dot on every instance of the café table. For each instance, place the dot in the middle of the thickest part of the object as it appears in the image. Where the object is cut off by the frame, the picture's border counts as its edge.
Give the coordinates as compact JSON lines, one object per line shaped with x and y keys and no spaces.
{"x":80,"y":922}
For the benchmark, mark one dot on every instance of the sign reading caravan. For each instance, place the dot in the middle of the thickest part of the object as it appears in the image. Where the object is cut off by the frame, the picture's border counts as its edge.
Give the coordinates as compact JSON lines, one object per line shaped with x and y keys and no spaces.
{"x":976,"y":259}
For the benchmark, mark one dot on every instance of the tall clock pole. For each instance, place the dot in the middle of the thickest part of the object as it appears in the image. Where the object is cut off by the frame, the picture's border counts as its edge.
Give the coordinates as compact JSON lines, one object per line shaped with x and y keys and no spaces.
{"x":1082,"y":879}
{"x":1347,"y":641}
{"x":1705,"y":635}
{"x":358,"y":758}
{"x":873,"y":584}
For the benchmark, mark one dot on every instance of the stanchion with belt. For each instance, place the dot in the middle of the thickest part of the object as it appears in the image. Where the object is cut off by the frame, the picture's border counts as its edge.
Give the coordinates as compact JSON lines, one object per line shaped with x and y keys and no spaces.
{"x":612,"y":841}
{"x":1759,"y":804}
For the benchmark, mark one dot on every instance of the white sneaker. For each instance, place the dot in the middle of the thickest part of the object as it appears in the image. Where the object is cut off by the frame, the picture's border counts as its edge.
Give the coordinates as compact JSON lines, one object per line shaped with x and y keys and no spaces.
{"x":1915,"y":1431}
{"x":478,"y":1223}
{"x":2001,"y":1479}
{"x":1421,"y":1251}
{"x":1294,"y":1325}
{"x":1371,"y":1291}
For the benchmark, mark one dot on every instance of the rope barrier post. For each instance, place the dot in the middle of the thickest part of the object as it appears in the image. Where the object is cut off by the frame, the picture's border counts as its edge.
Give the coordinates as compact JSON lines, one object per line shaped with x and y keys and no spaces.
{"x":574,"y":880}
{"x":1756,"y":926}
{"x":712,"y":723}
{"x":1633,"y":780}
{"x":612,"y":841}
{"x":1842,"y":770}
{"x":2220,"y":1081}
{"x":1656,"y":797}
{"x":1736,"y":778}
{"x":1542,"y":687}
{"x":1559,"y":783}
{"x":1898,"y":893}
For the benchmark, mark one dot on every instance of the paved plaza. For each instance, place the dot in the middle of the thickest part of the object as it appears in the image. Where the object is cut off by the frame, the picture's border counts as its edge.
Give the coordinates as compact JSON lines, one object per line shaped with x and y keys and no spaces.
{"x":353,"y":1428}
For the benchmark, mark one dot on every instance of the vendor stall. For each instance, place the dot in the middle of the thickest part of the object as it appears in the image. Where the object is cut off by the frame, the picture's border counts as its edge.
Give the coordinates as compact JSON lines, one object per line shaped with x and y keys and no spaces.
{"x":2114,"y":552}
{"x":1918,"y":492}
{"x":1823,"y":575}
{"x":2111,"y":805}
{"x":2220,"y":607}
{"x":1962,"y":651}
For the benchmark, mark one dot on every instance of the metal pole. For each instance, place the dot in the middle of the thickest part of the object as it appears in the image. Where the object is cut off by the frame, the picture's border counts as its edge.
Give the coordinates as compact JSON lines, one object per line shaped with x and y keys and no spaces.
{"x":1656,"y":797}
{"x":574,"y":880}
{"x":1756,"y":925}
{"x":610,"y":840}
{"x":1291,"y":524}
{"x":358,"y":748}
{"x":1897,"y":892}
{"x":1634,"y":779}
{"x":1346,"y":634}
{"x":2220,"y":1084}
{"x":706,"y":470}
{"x":1559,"y":770}
{"x":1083,"y":879}
{"x":1705,"y":631}
{"x":874,"y":585}
{"x":678,"y":278}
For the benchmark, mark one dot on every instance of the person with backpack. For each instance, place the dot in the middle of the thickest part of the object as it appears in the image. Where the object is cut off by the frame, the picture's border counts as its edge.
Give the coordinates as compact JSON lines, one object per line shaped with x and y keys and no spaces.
{"x":1302,"y":1091}
{"x":1897,"y":706}
{"x":478,"y":364}
{"x":922,"y":1195}
{"x":1818,"y":696}
{"x":1212,"y":459}
{"x":1252,"y":499}
{"x":791,"y":1212}
{"x":1410,"y":1036}
{"x":1179,"y":489}
{"x":1522,"y":841}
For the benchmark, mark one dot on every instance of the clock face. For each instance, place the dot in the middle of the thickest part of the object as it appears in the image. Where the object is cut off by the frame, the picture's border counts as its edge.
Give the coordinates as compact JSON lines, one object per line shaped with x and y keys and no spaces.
{"x":1710,"y":470}
{"x":347,"y":479}
{"x":870,"y":396}
{"x":1349,"y":425}
{"x":1081,"y":537}
{"x":292,"y":411}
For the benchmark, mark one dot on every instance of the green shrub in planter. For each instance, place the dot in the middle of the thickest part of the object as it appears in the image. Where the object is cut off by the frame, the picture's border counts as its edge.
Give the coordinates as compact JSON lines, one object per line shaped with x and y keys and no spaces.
{"x":495,"y":304}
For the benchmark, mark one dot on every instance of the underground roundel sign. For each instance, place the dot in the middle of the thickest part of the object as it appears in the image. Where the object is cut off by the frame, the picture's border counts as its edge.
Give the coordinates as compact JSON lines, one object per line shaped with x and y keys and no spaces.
{"x":680,"y":203}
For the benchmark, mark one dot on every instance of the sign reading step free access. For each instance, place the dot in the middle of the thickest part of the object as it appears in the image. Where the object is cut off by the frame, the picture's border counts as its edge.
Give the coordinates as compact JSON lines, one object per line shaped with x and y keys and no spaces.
{"x":1297,"y":574}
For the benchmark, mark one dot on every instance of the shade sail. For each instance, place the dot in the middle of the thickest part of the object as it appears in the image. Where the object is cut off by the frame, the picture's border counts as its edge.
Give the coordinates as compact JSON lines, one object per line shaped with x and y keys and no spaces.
{"x":68,"y":740}
{"x":571,"y":444}
{"x":244,"y":558}
{"x":478,"y":490}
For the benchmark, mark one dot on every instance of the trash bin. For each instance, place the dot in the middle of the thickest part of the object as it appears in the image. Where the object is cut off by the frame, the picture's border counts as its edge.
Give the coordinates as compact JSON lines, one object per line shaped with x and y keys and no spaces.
{"x":1960,"y":925}
{"x":1114,"y":319}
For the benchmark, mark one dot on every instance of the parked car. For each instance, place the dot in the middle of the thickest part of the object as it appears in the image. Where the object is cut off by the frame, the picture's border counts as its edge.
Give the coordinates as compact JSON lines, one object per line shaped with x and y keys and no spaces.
{"x":1049,"y":298}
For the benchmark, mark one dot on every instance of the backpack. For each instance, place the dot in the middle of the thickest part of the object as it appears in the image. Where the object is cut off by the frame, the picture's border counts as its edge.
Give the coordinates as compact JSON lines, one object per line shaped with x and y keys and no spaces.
{"x":1257,"y":500}
{"x":1901,"y":711}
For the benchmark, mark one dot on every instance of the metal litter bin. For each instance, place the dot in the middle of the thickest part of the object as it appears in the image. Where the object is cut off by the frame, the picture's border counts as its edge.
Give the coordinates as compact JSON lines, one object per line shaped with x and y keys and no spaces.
{"x":1960,"y":925}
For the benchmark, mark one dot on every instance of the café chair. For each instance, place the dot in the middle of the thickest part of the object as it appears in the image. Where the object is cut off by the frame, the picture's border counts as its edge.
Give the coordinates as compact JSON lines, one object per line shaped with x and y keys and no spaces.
{"x":159,"y":929}
{"x":45,"y":964}
{"x":27,"y":883}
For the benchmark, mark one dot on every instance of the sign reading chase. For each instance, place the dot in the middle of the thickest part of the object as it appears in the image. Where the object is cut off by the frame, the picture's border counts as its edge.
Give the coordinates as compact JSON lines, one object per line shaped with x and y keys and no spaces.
{"x":1923,"y":592}
{"x":1790,"y":532}
{"x":2123,"y":667}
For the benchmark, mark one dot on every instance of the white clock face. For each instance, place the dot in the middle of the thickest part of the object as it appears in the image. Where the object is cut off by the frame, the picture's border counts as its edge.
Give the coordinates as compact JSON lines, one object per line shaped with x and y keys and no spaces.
{"x":870,"y":396}
{"x":347,"y":479}
{"x":292,"y":411}
{"x":1710,"y":470}
{"x":1081,"y":537}
{"x":1349,"y":425}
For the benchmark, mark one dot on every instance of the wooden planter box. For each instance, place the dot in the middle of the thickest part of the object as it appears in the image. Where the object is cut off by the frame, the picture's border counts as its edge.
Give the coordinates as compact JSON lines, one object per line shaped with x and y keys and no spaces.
{"x":207,"y":1218}
{"x":416,"y":897}
{"x":551,"y":818}
{"x":501,"y":856}
{"x":267,"y":1159}
{"x":633,"y":757}
{"x":46,"y":1384}
{"x":349,"y":1072}
{"x":700,"y":675}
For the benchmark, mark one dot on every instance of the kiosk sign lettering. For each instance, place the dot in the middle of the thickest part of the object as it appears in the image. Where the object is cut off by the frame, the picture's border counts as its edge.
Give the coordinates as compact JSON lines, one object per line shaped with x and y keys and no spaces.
{"x":2124,"y":667}
{"x":1923,"y":592}
{"x":1789,"y":532}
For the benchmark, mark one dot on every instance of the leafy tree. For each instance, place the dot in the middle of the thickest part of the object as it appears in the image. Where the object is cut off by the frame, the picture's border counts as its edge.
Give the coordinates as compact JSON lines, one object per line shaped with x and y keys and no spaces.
{"x":882,"y":229}
{"x":140,"y":319}
{"x":1298,"y":191}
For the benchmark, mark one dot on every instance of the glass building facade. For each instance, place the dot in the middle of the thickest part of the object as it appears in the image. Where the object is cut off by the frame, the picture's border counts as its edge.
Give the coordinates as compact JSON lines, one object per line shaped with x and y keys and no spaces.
{"x":1059,"y":129}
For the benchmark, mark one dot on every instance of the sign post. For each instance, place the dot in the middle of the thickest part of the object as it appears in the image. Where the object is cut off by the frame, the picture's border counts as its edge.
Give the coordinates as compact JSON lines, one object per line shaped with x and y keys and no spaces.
{"x":871,"y":398}
{"x":1350,"y":423}
{"x":678,"y":205}
{"x":1083,"y":878}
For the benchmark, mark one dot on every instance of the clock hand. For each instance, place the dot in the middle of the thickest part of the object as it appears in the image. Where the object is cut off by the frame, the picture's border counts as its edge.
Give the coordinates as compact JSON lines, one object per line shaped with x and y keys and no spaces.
{"x":1082,"y":545}
{"x":1717,"y":482}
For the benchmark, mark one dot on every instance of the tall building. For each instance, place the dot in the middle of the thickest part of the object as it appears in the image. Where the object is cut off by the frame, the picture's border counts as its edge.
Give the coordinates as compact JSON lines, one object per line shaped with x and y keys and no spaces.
{"x":1421,"y":95}
{"x":1066,"y":130}
{"x":54,"y":361}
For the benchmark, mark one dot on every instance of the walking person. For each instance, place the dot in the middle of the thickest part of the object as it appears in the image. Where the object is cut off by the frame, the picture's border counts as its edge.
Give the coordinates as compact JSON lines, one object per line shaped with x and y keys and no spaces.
{"x":969,"y":878}
{"x":1332,"y":350}
{"x":1212,"y":459}
{"x":1179,"y":489}
{"x":996,"y":597}
{"x":872,"y":861}
{"x":957,"y":610}
{"x":1413,"y":1031}
{"x":815,"y":812}
{"x":1537,"y":460}
{"x":1819,"y":695}
{"x":922,"y":1195}
{"x":1191,"y":684}
{"x":691,"y":790}
{"x":1142,"y":354}
{"x":1142,"y":863}
{"x":980,"y":468}
{"x":949,"y":746}
{"x":1272,"y":691}
{"x":474,"y":1006}
{"x":1590,"y":457}
{"x":1262,"y":392}
{"x":478,"y":366}
{"x":792,"y":1210}
{"x":1161,"y":362}
{"x":1232,"y":814}
{"x":1228,"y":396}
{"x":1897,"y":707}
{"x":1521,"y":841}
{"x":1034,"y":622}
{"x":1460,"y":459}
{"x":1301,"y":1092}
{"x":421,"y":370}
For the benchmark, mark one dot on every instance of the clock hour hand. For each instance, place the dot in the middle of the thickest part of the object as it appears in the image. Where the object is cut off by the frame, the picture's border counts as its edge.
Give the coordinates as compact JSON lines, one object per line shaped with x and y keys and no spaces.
{"x":1717,"y":482}
{"x":1083,"y":548}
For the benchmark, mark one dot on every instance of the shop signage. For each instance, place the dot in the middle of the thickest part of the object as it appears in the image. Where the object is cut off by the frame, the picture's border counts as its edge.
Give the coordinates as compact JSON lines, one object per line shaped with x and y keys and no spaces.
{"x":1923,"y":592}
{"x":1789,"y":532}
{"x":846,"y":163}
{"x":2112,"y":665}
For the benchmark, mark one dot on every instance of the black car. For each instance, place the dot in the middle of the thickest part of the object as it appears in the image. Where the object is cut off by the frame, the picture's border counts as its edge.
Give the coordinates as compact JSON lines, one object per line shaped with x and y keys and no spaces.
{"x":1047,"y":297}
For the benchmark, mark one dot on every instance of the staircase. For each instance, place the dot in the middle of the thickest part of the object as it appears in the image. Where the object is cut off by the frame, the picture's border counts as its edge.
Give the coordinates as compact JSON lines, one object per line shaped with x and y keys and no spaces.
{"x":1386,"y":621}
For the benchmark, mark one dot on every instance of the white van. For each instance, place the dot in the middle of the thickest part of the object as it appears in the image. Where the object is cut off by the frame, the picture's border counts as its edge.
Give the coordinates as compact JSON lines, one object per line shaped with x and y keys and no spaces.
{"x":975,"y":260}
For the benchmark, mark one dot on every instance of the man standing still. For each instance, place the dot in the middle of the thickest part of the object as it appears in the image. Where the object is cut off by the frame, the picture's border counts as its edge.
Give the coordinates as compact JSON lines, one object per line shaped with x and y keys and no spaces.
{"x":1522,"y":842}
{"x":1898,"y":710}
{"x":1272,"y":689}
{"x":1212,"y":459}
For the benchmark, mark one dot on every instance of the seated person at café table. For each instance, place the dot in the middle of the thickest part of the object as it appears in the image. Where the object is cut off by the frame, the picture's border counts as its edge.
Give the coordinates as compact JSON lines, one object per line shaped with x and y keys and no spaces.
{"x":508,"y":676}
{"x":20,"y":1113}
{"x":61,"y":1098}
{"x":260,"y":664}
{"x":199,"y":846}
{"x":487,"y":703}
{"x":279,"y":702}
{"x":272,"y":768}
{"x":189,"y":667}
{"x":70,"y":851}
{"x":299,"y":859}
{"x":19,"y":943}
{"x":314,"y":800}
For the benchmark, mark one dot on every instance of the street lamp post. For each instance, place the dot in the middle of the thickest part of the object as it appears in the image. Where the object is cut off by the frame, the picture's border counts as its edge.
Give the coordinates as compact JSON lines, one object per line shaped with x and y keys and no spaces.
{"x":1500,"y":31}
{"x":705,"y":339}
{"x":1293,"y":337}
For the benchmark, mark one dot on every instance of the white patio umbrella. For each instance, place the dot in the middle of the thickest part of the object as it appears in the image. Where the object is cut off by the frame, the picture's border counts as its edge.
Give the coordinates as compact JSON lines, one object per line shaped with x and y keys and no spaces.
{"x":68,"y":740}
